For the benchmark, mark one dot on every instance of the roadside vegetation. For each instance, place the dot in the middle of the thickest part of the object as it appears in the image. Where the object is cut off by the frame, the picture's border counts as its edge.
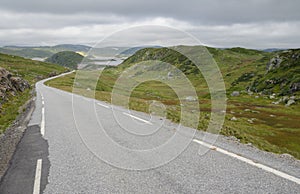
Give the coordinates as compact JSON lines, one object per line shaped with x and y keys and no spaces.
{"x":257,"y":114}
{"x":26,"y":69}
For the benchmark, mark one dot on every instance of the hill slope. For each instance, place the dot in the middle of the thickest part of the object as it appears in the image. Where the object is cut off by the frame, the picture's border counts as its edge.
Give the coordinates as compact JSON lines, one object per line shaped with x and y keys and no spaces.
{"x":68,"y":59}
{"x":282,"y":74}
{"x":17,"y":74}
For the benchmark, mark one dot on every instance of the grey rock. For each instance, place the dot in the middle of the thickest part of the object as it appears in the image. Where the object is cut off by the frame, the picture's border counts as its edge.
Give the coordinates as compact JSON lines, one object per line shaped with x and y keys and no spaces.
{"x":10,"y":85}
{"x":233,"y":119}
{"x":191,"y":98}
{"x":235,"y":93}
{"x":295,"y":87}
{"x":251,"y":120}
{"x":170,"y":75}
{"x":274,"y":63}
{"x":290,"y":102}
{"x":285,"y":99}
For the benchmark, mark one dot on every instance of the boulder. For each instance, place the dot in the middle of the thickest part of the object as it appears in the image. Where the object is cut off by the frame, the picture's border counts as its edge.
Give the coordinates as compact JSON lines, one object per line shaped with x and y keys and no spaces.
{"x":235,"y":93}
{"x":191,"y":98}
{"x":274,"y":63}
{"x":285,"y":99}
{"x":233,"y":119}
{"x":10,"y":85}
{"x":290,"y":102}
{"x":295,"y":87}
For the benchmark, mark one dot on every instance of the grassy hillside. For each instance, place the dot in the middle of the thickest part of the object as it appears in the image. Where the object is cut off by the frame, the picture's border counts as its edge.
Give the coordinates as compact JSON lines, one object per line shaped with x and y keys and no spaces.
{"x":32,"y":71}
{"x":67,"y":59}
{"x":251,"y":117}
{"x":282,"y":74}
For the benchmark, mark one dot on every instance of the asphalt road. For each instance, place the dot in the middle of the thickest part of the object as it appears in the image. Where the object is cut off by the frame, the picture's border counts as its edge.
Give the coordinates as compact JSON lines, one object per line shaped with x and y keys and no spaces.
{"x":75,"y":144}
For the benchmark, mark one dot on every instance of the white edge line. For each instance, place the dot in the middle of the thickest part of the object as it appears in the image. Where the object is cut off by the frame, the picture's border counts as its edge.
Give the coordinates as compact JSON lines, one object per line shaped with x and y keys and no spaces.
{"x":251,"y":162}
{"x":137,"y":118}
{"x":105,"y":106}
{"x":37,"y":179}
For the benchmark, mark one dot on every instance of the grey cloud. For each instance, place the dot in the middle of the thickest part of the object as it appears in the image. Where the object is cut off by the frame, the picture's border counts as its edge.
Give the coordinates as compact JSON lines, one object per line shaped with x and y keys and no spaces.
{"x":222,"y":23}
{"x":15,"y":20}
{"x":196,"y":11}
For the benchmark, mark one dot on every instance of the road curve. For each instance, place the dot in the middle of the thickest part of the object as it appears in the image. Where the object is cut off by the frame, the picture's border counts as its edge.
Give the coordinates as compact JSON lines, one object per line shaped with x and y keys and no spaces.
{"x":63,"y":133}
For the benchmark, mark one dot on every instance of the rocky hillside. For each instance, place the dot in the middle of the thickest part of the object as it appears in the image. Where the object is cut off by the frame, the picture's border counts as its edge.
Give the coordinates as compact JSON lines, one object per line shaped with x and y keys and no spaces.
{"x":67,"y":59}
{"x":17,"y":74}
{"x":243,"y":69}
{"x":282,"y":75}
{"x":10,"y":85}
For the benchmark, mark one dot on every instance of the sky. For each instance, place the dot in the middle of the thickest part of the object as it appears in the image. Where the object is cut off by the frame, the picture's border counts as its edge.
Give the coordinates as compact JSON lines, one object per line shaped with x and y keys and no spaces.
{"x":219,"y":23}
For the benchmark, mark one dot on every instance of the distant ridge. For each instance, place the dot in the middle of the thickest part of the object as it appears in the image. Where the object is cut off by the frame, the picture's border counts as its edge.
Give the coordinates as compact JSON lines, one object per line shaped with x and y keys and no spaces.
{"x":42,"y":51}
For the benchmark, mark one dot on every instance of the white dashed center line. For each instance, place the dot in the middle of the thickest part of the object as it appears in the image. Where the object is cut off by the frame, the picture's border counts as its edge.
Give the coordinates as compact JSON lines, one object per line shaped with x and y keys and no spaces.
{"x":105,"y":106}
{"x":37,"y":179}
{"x":137,"y":118}
{"x":43,"y":117}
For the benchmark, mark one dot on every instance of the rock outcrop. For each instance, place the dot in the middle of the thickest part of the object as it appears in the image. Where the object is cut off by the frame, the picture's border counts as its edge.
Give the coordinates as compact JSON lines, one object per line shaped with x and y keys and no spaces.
{"x":10,"y":85}
{"x":282,"y":75}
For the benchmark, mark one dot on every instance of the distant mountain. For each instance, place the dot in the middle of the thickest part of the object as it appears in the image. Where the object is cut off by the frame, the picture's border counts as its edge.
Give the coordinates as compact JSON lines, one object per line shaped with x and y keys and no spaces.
{"x":68,"y":59}
{"x":106,"y":51}
{"x":72,"y":47}
{"x":269,"y":50}
{"x":26,"y":52}
{"x":42,"y":51}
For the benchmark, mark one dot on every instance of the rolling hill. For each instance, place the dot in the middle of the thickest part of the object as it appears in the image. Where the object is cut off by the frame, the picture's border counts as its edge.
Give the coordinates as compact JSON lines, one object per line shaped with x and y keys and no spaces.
{"x":67,"y":59}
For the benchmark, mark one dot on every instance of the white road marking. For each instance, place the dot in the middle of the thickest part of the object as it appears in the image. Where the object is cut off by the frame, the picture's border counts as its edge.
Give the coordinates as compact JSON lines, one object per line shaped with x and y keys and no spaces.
{"x":251,"y":162}
{"x":38,"y":175}
{"x":137,"y":118}
{"x":43,"y":122}
{"x":105,"y":106}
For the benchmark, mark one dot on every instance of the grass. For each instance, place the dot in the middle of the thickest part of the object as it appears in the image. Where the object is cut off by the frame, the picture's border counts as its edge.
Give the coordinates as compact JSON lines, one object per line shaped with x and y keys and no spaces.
{"x":32,"y":71}
{"x":270,"y":127}
{"x":11,"y":109}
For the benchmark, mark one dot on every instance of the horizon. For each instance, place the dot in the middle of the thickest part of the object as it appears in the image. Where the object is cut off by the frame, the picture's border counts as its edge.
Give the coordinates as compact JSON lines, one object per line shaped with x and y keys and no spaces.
{"x":90,"y":45}
{"x":220,"y":24}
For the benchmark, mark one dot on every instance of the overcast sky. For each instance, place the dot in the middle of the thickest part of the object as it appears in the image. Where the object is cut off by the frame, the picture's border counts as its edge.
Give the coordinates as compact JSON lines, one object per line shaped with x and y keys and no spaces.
{"x":219,"y":23}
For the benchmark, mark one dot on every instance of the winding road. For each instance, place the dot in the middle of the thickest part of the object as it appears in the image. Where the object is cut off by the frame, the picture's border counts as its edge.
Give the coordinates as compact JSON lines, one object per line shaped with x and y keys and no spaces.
{"x":65,"y":151}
